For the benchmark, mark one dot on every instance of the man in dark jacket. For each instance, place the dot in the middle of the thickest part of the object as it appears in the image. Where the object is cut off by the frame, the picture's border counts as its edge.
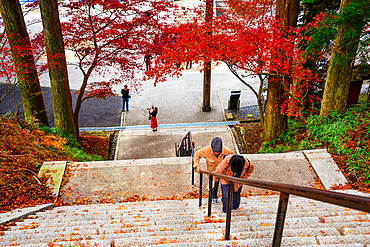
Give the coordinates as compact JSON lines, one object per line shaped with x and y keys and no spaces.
{"x":125,"y":96}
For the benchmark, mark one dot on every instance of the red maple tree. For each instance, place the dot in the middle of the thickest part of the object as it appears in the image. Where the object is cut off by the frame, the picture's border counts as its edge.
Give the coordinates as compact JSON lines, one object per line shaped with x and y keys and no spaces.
{"x":110,"y":38}
{"x":250,"y":40}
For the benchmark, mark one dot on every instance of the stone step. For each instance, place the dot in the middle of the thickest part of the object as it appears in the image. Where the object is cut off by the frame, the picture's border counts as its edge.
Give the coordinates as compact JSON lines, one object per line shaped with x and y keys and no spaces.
{"x":261,"y":225}
{"x":112,"y":212}
{"x":293,"y":227}
{"x":141,"y":238}
{"x":251,"y":203}
{"x":355,"y":241}
{"x":247,"y":208}
{"x":178,"y":130}
{"x":159,"y":217}
{"x":180,"y":223}
{"x":132,"y":232}
{"x":252,"y":242}
{"x":252,"y":212}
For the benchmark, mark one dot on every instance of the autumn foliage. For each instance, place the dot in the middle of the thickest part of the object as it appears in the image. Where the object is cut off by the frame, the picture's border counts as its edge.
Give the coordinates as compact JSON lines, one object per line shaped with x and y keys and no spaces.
{"x":23,"y":149}
{"x":249,"y":39}
{"x":107,"y":37}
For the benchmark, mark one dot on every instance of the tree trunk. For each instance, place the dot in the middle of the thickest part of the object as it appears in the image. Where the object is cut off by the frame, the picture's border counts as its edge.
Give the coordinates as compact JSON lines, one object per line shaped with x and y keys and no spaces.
{"x":339,"y":74}
{"x":275,"y":123}
{"x":287,"y":11}
{"x":207,"y":87}
{"x":29,"y":85}
{"x":62,"y":99}
{"x":79,"y":100}
{"x":207,"y":64}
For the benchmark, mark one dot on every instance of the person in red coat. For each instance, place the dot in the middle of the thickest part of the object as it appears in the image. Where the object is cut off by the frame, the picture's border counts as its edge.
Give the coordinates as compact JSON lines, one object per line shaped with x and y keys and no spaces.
{"x":153,"y":118}
{"x":236,"y":166}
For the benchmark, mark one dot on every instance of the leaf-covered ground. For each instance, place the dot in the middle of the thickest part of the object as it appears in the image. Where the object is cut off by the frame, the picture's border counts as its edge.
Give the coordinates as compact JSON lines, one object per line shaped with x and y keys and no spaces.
{"x":23,"y":149}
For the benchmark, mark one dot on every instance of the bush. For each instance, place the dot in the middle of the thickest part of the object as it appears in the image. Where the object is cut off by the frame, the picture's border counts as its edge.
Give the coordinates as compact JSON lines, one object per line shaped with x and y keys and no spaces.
{"x":345,"y":134}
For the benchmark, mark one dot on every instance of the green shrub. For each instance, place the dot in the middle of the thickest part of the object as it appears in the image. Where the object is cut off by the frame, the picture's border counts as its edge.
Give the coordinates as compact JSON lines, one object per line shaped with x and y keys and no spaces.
{"x":333,"y":132}
{"x":81,"y":156}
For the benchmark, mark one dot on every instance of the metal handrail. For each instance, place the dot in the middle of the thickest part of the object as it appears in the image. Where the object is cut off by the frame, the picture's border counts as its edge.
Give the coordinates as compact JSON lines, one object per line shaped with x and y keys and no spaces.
{"x":187,"y":145}
{"x":346,"y":200}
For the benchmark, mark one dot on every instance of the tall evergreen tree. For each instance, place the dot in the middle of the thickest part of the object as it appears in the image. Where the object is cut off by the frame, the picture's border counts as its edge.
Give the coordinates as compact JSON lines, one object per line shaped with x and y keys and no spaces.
{"x":351,"y":22}
{"x":33,"y":103}
{"x":62,"y":100}
{"x":319,"y":64}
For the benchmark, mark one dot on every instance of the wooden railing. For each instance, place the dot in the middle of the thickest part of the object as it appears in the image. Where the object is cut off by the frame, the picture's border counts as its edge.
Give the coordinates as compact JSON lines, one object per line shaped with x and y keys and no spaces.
{"x":346,"y":200}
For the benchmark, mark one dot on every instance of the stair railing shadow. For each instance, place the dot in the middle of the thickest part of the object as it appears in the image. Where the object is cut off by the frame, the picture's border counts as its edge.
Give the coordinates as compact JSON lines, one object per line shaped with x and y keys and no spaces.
{"x":346,"y":200}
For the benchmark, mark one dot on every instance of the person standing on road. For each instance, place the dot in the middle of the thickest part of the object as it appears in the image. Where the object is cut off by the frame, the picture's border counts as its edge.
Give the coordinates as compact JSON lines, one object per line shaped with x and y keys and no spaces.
{"x":153,"y":118}
{"x":148,"y":62}
{"x":236,"y":166}
{"x":214,"y":155}
{"x":125,"y":96}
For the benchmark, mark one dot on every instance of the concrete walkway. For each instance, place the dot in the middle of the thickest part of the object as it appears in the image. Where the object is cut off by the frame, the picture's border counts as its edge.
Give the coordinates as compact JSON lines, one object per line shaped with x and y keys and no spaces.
{"x":159,"y":178}
{"x":180,"y":100}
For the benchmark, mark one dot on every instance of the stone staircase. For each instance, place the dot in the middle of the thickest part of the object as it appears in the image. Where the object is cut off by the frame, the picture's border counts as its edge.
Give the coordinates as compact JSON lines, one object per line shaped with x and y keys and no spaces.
{"x":184,"y":223}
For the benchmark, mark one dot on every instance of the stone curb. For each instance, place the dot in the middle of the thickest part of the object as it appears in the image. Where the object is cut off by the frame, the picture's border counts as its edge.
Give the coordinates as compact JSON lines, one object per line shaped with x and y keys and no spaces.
{"x":22,"y":213}
{"x":56,"y":171}
{"x":325,"y":168}
{"x":161,"y":126}
{"x":276,"y":156}
{"x":134,"y":163}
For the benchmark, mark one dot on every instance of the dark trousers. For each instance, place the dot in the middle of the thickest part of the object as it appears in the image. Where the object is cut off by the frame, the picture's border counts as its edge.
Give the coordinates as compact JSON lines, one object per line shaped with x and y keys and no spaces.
{"x":236,"y":197}
{"x":124,"y":102}
{"x":215,"y":190}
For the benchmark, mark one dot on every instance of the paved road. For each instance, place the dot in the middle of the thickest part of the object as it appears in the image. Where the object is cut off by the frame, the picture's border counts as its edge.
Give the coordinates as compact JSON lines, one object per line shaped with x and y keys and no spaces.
{"x":93,"y":112}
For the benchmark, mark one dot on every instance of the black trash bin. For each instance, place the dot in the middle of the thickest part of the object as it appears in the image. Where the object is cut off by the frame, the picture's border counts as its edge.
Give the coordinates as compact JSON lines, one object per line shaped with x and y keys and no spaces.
{"x":234,"y":101}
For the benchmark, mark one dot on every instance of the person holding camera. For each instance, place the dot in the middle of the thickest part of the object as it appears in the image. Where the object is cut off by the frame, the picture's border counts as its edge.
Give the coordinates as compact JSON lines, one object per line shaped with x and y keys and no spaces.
{"x":153,"y":111}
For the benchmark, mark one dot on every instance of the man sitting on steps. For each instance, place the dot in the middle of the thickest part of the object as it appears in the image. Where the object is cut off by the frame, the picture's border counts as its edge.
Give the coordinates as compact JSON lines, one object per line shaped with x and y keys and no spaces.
{"x":214,"y":155}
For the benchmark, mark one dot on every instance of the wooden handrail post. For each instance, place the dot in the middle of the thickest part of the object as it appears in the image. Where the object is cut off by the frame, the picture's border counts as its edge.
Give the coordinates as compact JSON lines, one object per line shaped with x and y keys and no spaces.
{"x":280,"y":219}
{"x":210,"y":196}
{"x":228,"y":210}
{"x":200,"y":188}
